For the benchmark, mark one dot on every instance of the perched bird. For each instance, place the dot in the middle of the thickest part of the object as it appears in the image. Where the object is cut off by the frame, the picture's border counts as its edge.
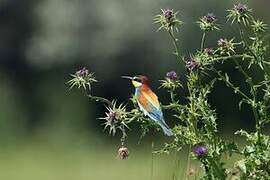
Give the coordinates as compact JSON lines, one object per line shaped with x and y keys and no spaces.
{"x":148,"y":101}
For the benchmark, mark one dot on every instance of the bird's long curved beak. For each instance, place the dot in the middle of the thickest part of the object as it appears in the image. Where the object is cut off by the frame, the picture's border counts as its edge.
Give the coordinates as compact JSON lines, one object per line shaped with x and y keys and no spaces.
{"x":127,"y":77}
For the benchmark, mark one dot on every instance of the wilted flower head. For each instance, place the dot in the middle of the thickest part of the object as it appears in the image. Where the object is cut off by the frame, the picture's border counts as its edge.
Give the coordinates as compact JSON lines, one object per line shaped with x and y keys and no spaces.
{"x":209,"y":51}
{"x":200,"y":150}
{"x":209,"y":18}
{"x":82,"y":78}
{"x":240,"y":8}
{"x":168,"y":13}
{"x":192,"y":64}
{"x":123,"y":153}
{"x":172,"y":75}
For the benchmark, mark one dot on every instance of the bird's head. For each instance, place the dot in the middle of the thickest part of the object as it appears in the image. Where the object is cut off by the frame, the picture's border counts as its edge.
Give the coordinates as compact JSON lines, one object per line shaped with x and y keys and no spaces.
{"x":137,"y":81}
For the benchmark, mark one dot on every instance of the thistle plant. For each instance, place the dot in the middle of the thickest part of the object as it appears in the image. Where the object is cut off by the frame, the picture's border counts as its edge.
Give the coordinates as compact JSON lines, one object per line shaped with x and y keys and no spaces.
{"x":196,"y":120}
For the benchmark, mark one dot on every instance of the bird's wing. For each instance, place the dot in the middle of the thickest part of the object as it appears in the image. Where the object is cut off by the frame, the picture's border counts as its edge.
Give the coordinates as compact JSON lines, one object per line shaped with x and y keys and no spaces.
{"x":151,"y":97}
{"x":149,"y":104}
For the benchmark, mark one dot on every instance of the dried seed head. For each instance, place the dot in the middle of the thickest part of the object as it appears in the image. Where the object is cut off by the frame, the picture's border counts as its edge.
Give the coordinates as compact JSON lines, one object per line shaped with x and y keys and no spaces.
{"x":191,"y":171}
{"x":123,"y":153}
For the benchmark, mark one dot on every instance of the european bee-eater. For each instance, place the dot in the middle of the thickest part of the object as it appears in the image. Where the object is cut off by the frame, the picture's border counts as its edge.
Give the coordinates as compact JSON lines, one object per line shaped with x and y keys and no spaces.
{"x":148,"y":101}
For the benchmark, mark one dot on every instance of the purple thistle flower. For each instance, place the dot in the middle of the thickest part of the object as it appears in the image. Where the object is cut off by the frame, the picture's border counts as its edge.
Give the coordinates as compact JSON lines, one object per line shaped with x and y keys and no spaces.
{"x":168,"y":13}
{"x":209,"y":51}
{"x":209,"y":18}
{"x":172,"y":75}
{"x":240,"y":8}
{"x":82,"y":72}
{"x":222,"y":42}
{"x":200,"y":150}
{"x":191,"y":64}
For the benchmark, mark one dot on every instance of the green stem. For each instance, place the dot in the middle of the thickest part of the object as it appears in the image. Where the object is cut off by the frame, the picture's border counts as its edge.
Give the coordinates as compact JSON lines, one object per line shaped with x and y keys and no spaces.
{"x":175,"y":44}
{"x":152,"y":160}
{"x":203,"y":41}
{"x":172,"y":96}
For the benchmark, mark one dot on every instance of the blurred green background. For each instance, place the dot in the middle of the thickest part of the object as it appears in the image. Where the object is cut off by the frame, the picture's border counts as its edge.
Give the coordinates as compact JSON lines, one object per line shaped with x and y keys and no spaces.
{"x":49,"y":132}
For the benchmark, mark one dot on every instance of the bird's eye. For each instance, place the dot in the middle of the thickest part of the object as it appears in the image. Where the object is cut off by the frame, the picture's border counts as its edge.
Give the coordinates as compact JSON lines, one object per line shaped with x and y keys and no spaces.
{"x":138,"y":80}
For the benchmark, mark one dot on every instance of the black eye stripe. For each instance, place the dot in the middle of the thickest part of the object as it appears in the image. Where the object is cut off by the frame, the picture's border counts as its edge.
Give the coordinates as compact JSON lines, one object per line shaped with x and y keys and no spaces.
{"x":137,"y":79}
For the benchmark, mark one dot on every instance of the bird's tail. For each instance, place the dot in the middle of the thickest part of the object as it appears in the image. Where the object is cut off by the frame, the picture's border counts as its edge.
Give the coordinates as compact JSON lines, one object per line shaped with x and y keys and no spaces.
{"x":166,"y":129}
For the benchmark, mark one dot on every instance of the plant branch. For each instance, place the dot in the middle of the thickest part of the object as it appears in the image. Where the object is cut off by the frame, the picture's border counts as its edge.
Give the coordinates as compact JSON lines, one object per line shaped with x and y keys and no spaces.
{"x":203,"y":41}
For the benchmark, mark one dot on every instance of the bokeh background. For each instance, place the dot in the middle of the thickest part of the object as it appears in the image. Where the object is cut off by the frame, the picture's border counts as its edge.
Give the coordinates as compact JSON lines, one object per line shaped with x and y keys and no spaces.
{"x":50,"y":132}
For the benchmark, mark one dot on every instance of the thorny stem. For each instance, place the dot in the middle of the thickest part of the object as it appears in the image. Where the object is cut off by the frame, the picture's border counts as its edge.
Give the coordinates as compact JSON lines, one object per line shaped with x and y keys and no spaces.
{"x":231,"y":57}
{"x":124,"y":135}
{"x":100,"y":99}
{"x":254,"y":101}
{"x":203,"y":41}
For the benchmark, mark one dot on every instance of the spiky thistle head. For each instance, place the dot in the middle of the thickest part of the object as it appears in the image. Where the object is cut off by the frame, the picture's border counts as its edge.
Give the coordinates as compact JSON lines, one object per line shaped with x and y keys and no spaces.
{"x":168,"y":20}
{"x":208,"y":22}
{"x":239,"y":13}
{"x":171,"y":81}
{"x":115,"y":117}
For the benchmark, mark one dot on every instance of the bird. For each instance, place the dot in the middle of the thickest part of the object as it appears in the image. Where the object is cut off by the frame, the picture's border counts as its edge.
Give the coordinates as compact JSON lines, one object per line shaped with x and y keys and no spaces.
{"x":148,"y":101}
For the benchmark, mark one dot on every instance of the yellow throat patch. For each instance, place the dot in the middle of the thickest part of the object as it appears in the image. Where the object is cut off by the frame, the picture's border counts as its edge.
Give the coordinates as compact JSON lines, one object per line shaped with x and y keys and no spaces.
{"x":136,"y":84}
